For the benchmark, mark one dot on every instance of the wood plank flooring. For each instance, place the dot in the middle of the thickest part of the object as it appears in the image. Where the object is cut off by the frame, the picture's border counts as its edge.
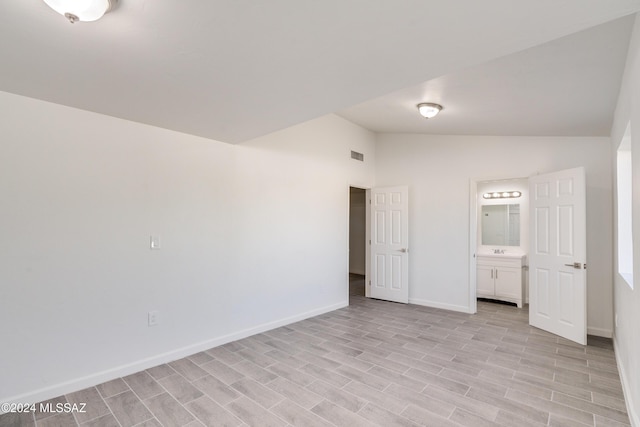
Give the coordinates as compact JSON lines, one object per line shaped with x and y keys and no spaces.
{"x":372,"y":363}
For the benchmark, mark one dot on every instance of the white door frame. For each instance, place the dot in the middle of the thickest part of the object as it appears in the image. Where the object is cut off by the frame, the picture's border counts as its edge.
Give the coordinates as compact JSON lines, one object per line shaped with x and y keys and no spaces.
{"x":367,"y":250}
{"x":473,"y":245}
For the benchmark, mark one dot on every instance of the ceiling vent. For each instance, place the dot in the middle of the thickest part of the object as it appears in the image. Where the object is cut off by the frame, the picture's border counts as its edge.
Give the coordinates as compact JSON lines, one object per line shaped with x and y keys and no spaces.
{"x":357,"y":156}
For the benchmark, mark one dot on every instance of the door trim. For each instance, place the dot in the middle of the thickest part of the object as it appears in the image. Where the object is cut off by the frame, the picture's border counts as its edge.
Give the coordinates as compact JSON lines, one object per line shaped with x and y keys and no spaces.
{"x":473,"y":246}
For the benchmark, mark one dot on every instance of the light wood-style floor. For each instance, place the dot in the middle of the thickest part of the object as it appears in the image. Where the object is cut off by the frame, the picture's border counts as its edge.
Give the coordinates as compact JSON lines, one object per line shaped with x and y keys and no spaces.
{"x":372,"y":363}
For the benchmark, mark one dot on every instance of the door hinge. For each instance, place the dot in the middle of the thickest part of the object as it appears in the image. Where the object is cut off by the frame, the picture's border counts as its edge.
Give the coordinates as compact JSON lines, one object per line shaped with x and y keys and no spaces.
{"x":369,"y":241}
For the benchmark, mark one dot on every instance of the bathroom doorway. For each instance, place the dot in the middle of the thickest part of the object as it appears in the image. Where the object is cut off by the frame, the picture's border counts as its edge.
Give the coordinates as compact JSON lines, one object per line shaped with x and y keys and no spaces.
{"x":507,"y":233}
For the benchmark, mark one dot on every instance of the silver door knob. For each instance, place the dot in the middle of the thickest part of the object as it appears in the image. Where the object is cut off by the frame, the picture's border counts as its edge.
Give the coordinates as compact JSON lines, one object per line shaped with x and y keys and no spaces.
{"x":575,"y":265}
{"x":404,"y":250}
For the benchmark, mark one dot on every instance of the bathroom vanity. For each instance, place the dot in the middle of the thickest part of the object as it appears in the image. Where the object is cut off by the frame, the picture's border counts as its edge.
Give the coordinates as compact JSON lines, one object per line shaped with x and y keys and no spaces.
{"x":500,"y":277}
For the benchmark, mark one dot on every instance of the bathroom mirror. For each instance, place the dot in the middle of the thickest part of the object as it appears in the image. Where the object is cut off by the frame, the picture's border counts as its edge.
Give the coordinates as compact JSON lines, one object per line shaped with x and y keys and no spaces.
{"x":501,"y":225}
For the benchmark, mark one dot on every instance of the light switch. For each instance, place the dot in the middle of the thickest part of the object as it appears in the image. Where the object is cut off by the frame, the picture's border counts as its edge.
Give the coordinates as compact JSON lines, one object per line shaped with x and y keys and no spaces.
{"x":155,"y":242}
{"x":153,"y":317}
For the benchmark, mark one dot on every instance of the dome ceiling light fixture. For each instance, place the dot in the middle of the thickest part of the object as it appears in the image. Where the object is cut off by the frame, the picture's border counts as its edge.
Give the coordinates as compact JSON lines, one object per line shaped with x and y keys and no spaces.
{"x":81,"y":10}
{"x":429,"y":110}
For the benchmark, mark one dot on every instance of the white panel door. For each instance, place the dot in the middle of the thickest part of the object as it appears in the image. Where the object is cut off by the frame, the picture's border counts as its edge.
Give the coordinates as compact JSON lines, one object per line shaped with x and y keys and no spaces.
{"x":557,"y":269}
{"x":389,"y":244}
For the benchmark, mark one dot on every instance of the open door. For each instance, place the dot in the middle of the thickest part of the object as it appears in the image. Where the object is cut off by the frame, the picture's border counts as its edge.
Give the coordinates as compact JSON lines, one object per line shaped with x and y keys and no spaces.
{"x":557,"y":276}
{"x":389,"y":244}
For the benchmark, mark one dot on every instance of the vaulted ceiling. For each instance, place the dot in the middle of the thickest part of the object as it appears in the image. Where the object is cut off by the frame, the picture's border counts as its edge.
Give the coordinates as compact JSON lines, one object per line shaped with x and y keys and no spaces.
{"x":565,"y":87}
{"x":235,"y":70}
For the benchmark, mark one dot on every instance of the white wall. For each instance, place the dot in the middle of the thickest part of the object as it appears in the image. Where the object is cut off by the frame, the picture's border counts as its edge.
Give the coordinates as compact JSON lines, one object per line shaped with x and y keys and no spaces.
{"x":357,"y":231}
{"x":626,"y":300}
{"x":292,"y":219}
{"x":438,"y":170}
{"x":252,"y":236}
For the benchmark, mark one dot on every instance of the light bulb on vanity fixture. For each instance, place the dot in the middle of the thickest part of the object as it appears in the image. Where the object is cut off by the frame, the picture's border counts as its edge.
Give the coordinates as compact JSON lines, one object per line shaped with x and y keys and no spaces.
{"x":502,"y":195}
{"x":81,"y":10}
{"x":429,"y":110}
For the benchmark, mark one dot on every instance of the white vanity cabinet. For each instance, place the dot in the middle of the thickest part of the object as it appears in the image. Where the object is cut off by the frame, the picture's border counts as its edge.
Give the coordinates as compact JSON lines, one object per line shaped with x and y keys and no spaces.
{"x":500,"y":277}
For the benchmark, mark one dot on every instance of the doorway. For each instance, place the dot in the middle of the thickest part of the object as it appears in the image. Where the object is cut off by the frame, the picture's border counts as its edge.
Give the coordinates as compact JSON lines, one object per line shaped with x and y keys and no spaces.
{"x":357,"y":241}
{"x":500,"y":224}
{"x":555,"y":258}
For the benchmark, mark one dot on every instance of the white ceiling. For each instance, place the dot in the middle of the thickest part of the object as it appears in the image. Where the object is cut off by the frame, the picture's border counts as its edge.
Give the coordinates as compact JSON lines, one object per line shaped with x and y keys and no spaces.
{"x":566,"y":87}
{"x":235,"y":70}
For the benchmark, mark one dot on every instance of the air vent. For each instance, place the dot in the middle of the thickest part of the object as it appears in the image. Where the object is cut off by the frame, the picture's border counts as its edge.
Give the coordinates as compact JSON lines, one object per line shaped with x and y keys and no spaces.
{"x":357,"y":156}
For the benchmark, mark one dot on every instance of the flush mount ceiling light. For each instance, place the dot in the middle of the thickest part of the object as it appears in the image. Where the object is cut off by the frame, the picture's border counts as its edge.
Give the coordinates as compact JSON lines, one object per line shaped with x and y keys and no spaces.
{"x":81,"y":10}
{"x":502,"y":195}
{"x":429,"y":110}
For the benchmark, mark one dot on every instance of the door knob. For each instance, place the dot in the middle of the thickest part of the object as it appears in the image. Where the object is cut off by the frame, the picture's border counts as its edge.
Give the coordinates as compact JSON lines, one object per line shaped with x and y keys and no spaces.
{"x":404,"y":250}
{"x":575,"y":265}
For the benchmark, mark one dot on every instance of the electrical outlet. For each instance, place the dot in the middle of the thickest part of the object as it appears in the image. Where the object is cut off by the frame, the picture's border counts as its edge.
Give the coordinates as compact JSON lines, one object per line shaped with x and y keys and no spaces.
{"x":154,"y":242}
{"x":153,"y":318}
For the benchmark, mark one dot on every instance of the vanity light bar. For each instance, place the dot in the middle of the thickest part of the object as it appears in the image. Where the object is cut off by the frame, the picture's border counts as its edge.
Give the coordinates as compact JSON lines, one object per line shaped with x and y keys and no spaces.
{"x":502,"y":195}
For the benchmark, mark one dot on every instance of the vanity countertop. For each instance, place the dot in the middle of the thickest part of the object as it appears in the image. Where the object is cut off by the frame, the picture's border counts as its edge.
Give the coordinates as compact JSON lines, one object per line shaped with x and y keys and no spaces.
{"x":504,"y":255}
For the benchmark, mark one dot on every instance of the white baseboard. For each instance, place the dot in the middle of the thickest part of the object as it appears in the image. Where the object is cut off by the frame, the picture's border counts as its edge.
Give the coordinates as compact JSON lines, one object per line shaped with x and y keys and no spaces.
{"x":435,"y":304}
{"x":634,"y":417}
{"x":600,"y":332}
{"x":140,"y":365}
